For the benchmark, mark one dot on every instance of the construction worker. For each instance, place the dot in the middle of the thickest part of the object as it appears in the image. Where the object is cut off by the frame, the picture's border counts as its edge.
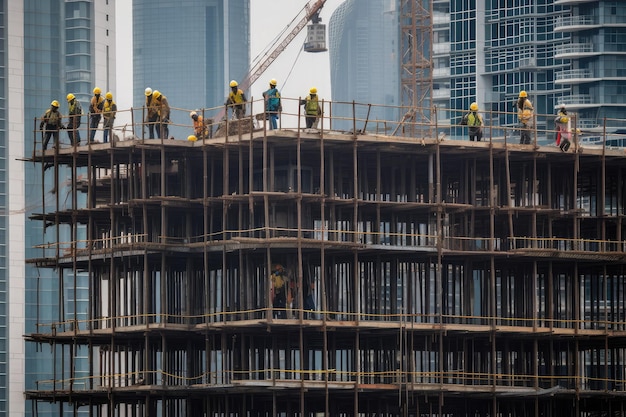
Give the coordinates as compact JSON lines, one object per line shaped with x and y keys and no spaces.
{"x":279,"y":291}
{"x":200,"y":130}
{"x":75,"y":111}
{"x":312,"y":109}
{"x":474,"y":123}
{"x":109,"y":109}
{"x":95,"y":112}
{"x":272,"y":104}
{"x":152,"y":112}
{"x":163,"y":111}
{"x":51,"y":122}
{"x":525,"y":116}
{"x":236,"y":99}
{"x":561,"y":122}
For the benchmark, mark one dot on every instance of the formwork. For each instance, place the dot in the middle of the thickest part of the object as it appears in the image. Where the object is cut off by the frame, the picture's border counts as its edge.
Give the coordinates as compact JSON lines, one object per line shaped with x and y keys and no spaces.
{"x":423,"y":277}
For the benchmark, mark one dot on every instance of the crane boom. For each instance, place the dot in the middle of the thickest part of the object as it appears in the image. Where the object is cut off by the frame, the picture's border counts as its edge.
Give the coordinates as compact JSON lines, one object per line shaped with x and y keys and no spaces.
{"x":311,"y":9}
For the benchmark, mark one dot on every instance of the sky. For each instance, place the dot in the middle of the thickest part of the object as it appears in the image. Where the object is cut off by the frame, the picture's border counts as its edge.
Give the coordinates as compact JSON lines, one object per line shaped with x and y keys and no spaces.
{"x":296,"y":71}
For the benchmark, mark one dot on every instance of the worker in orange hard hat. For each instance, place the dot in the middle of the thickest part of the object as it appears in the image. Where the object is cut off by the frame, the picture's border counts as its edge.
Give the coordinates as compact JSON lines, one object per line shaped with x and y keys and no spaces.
{"x":272,"y":104}
{"x":525,"y":116}
{"x":312,"y":108}
{"x":237,"y":100}
{"x":474,"y":122}
{"x":95,"y":112}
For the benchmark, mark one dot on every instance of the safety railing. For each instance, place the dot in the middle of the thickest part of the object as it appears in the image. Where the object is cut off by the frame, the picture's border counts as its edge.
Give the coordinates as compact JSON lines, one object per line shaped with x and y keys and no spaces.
{"x":405,"y":240}
{"x":340,"y":117}
{"x":219,"y":315}
{"x":521,"y":383}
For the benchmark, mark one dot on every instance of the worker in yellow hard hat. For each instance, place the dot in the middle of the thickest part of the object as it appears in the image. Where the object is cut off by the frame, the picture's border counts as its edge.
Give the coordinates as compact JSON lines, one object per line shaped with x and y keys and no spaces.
{"x":272,"y":104}
{"x":562,"y":125}
{"x":279,"y":288}
{"x":163,"y":109}
{"x":109,"y":110}
{"x":312,"y":108}
{"x":51,"y":122}
{"x":237,"y":100}
{"x":75,"y":112}
{"x":95,"y":112}
{"x":525,"y":116}
{"x":474,"y":122}
{"x":152,"y":111}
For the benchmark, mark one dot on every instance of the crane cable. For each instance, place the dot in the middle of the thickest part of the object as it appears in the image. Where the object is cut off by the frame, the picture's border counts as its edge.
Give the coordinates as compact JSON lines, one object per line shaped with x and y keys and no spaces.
{"x":292,"y":66}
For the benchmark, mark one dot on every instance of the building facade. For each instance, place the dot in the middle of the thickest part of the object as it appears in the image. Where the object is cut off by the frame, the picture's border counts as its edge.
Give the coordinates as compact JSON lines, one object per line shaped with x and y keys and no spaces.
{"x":189,"y":52}
{"x":595,"y":50}
{"x":558,"y":51}
{"x":364,"y":62}
{"x":52,"y":48}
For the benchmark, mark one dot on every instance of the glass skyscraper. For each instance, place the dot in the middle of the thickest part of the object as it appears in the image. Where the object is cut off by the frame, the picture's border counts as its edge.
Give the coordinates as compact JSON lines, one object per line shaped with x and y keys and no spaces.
{"x":559,"y":51}
{"x":364,"y":61}
{"x":189,"y":52}
{"x":50,"y":48}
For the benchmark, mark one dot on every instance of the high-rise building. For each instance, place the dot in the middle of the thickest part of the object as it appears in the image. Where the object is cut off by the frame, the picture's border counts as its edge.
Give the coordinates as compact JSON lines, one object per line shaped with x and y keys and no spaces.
{"x":594,"y":46}
{"x":50,"y":48}
{"x":189,"y":51}
{"x":559,"y":51}
{"x":365,"y":64}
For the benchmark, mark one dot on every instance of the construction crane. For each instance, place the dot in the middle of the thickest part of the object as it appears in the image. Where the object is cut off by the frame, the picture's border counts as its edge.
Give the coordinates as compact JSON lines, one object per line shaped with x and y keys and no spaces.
{"x":310,"y":12}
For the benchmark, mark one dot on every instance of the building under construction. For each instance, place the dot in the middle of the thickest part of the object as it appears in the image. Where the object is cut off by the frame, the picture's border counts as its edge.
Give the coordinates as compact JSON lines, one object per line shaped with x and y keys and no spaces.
{"x":420,"y":276}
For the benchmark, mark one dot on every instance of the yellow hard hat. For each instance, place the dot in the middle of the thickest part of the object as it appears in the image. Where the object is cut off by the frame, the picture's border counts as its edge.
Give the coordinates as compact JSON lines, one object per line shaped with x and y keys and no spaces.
{"x":273,"y":82}
{"x":313,"y":90}
{"x":97,"y":90}
{"x":474,"y":106}
{"x":234,"y":83}
{"x":108,"y":95}
{"x":54,"y":103}
{"x":156,"y":94}
{"x":147,"y":91}
{"x":523,"y":94}
{"x":192,"y":138}
{"x":564,"y":119}
{"x":70,"y":97}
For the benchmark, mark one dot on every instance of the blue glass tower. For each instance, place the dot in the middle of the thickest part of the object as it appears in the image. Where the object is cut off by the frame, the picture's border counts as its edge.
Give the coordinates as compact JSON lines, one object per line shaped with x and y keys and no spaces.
{"x":189,"y":52}
{"x":62,"y":47}
{"x":365,"y":66}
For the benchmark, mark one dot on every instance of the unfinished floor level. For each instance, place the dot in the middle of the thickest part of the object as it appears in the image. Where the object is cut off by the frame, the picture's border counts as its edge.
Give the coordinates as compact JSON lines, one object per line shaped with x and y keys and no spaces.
{"x":309,"y":273}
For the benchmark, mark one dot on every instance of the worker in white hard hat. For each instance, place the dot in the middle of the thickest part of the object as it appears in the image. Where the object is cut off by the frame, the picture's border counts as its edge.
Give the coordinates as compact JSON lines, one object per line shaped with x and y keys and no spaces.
{"x":562,"y":126}
{"x":200,"y":129}
{"x":312,"y":108}
{"x":525,"y":116}
{"x":474,"y":122}
{"x":272,"y":104}
{"x":152,"y":112}
{"x":51,"y":122}
{"x":236,"y":100}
